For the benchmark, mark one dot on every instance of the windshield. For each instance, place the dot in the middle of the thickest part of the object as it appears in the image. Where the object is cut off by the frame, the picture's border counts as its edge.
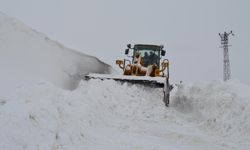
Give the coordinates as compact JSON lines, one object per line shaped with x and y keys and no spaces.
{"x":149,"y":57}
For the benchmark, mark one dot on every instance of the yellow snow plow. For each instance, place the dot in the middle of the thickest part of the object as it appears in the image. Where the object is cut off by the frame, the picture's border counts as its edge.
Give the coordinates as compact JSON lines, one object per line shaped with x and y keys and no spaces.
{"x":144,"y":66}
{"x":146,"y":63}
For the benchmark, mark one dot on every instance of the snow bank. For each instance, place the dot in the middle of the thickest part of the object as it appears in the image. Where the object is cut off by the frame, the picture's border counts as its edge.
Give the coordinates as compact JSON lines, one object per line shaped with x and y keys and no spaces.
{"x":110,"y":115}
{"x":90,"y":117}
{"x":27,"y":56}
{"x":217,"y":107}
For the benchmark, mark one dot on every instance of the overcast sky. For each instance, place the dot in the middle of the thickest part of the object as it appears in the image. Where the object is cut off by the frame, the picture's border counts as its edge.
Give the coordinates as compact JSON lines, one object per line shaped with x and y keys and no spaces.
{"x":187,"y":28}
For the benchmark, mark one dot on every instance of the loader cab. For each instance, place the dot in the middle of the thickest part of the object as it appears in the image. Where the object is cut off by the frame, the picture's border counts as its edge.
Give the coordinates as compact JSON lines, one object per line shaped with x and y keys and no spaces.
{"x":150,"y":54}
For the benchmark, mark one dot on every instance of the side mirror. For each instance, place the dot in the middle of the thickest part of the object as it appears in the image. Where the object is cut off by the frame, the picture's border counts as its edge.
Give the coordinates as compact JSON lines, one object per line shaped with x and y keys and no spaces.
{"x":126,"y":51}
{"x":163,"y":52}
{"x":129,"y":46}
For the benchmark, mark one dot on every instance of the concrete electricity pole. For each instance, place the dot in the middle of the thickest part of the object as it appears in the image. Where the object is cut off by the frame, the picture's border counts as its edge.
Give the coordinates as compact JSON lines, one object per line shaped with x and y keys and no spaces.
{"x":224,"y":43}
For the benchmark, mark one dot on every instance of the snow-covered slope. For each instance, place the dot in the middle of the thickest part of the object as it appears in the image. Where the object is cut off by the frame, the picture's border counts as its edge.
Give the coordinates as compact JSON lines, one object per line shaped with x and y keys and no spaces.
{"x":28,"y":56}
{"x":109,"y":115}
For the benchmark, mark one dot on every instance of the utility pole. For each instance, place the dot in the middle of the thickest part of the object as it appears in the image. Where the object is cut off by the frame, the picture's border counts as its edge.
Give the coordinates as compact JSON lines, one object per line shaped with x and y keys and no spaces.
{"x":224,"y":43}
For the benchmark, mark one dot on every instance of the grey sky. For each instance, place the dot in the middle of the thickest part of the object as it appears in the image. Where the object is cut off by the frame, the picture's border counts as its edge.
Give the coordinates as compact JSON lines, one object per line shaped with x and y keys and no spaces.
{"x":187,"y":28}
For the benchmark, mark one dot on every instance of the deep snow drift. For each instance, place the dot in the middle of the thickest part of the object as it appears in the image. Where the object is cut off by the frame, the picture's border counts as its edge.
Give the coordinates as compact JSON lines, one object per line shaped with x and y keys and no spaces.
{"x":28,"y":56}
{"x":109,"y":115}
{"x":220,"y":108}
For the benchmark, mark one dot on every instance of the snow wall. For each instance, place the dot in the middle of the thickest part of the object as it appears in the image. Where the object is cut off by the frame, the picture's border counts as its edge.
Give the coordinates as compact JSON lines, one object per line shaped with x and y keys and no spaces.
{"x":28,"y":56}
{"x":221,"y":108}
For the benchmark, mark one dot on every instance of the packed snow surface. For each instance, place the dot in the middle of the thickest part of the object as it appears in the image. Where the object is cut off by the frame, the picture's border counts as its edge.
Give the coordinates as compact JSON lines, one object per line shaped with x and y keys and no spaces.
{"x":110,"y":115}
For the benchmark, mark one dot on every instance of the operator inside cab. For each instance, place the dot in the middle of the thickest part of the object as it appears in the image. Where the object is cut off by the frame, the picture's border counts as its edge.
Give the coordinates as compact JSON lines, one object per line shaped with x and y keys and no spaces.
{"x":137,"y":59}
{"x":138,"y":68}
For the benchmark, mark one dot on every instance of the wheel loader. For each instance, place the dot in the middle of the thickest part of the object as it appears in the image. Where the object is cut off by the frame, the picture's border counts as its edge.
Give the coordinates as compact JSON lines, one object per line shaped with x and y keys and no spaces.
{"x":144,"y":66}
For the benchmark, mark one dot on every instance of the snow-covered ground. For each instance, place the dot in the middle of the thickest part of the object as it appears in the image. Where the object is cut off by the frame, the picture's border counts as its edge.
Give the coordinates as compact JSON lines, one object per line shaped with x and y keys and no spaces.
{"x":39,"y":112}
{"x":110,"y":115}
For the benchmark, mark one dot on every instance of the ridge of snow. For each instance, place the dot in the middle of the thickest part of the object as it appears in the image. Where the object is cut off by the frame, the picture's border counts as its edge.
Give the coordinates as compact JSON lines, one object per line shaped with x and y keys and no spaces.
{"x":27,"y":56}
{"x":222,"y":108}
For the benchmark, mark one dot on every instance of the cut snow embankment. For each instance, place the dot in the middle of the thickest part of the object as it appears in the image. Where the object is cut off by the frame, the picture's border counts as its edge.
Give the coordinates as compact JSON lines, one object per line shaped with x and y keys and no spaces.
{"x":221,"y":108}
{"x":110,"y":115}
{"x":27,"y":56}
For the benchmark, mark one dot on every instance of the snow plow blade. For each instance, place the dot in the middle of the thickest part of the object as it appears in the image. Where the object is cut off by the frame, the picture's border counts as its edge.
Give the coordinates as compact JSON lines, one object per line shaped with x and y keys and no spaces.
{"x":156,"y":82}
{"x":140,"y":80}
